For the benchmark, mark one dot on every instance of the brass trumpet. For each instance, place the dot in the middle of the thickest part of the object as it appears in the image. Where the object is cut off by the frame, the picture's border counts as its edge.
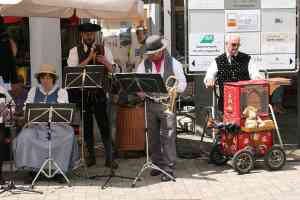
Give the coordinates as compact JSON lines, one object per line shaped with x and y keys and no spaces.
{"x":171,"y":85}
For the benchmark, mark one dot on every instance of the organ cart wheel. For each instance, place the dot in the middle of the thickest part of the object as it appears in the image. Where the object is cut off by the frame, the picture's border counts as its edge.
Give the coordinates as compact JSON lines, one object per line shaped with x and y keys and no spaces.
{"x":243,"y":161}
{"x":275,"y":158}
{"x":216,"y":156}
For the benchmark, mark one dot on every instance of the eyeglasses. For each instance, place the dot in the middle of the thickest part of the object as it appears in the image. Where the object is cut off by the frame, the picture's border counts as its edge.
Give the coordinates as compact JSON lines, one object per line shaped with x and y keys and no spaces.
{"x":235,"y":44}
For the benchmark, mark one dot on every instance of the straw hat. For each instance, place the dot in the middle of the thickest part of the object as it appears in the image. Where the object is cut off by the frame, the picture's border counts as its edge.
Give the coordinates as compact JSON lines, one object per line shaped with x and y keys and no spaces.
{"x":154,"y":44}
{"x":46,"y":69}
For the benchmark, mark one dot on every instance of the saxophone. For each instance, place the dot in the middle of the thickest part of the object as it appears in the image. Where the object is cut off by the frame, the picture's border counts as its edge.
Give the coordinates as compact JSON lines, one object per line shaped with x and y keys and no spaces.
{"x":171,"y":85}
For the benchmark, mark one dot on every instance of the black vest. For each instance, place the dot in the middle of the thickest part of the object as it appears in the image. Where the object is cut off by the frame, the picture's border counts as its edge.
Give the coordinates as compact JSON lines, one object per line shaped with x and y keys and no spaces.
{"x":83,"y":55}
{"x":235,"y":71}
{"x":168,"y":67}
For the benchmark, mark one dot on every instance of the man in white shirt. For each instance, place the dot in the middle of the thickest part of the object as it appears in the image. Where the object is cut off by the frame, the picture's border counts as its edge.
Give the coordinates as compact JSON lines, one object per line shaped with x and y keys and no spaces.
{"x":161,"y":124}
{"x":89,"y":53}
{"x":231,"y":66}
{"x":138,"y":47}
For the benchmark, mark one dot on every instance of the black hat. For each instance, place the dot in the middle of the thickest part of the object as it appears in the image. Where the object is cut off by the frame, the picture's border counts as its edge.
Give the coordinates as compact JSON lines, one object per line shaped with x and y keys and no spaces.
{"x":89,"y":27}
{"x":154,"y":43}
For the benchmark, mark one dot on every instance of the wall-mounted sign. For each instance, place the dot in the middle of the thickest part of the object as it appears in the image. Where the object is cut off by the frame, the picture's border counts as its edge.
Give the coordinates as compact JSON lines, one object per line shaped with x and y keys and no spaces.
{"x":242,"y":20}
{"x":206,"y":44}
{"x":242,"y":4}
{"x":278,"y":3}
{"x":278,"y":42}
{"x":206,"y":4}
{"x":200,"y":63}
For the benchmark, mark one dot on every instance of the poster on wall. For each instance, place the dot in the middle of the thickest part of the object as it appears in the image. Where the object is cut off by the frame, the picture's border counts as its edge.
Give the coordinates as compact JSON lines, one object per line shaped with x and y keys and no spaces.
{"x":206,"y":44}
{"x":206,"y":4}
{"x":279,"y":20}
{"x":250,"y":42}
{"x":278,"y":42}
{"x":278,"y":61}
{"x":200,"y":63}
{"x":242,"y":4}
{"x":242,"y":20}
{"x":274,"y":62}
{"x":278,"y":3}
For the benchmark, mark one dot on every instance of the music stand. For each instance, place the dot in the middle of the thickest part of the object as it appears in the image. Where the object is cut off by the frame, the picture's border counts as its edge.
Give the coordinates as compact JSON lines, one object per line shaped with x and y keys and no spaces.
{"x":147,"y":83}
{"x":37,"y":113}
{"x":112,"y":172}
{"x":11,"y":187}
{"x":84,"y":77}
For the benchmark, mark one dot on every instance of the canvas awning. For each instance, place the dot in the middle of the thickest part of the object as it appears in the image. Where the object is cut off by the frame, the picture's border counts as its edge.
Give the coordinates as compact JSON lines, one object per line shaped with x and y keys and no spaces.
{"x":104,"y":9}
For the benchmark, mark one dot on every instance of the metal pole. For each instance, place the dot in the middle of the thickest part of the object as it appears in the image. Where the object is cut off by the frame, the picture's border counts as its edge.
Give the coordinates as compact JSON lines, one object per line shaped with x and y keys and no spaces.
{"x":298,"y":75}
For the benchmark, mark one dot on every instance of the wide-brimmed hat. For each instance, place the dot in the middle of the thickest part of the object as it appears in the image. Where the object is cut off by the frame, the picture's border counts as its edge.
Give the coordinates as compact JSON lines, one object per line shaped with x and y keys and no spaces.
{"x":46,"y":69}
{"x":154,"y":44}
{"x":89,"y":27}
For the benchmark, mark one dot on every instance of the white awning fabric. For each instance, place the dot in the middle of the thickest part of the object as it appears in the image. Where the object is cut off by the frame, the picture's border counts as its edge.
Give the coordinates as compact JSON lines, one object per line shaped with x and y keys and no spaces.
{"x":104,"y":9}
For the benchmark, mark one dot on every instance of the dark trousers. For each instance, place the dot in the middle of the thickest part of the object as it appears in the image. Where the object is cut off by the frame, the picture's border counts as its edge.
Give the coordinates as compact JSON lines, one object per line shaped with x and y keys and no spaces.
{"x":162,"y":133}
{"x":97,"y":107}
{"x":2,"y":149}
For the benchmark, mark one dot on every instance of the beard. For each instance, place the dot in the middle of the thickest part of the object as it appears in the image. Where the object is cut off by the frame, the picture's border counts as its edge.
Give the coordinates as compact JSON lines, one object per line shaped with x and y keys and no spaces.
{"x":89,"y":42}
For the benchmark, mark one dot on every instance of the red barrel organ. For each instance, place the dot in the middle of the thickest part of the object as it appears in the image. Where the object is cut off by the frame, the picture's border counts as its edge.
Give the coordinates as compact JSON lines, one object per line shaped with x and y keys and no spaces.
{"x":248,"y":143}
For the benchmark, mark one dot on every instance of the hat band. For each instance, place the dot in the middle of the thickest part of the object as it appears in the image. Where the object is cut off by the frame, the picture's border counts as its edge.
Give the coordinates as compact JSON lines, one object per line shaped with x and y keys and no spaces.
{"x":155,"y":47}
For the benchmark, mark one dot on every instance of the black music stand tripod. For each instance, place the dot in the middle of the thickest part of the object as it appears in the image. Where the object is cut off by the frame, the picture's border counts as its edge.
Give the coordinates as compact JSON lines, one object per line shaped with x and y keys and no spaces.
{"x":11,"y":187}
{"x":84,"y":77}
{"x":112,"y":173}
{"x":147,"y":83}
{"x":37,"y":113}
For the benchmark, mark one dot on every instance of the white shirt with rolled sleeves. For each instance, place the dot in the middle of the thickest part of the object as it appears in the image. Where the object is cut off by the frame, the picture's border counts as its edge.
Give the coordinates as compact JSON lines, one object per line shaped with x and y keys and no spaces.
{"x":212,"y":71}
{"x":177,"y":69}
{"x":73,"y":59}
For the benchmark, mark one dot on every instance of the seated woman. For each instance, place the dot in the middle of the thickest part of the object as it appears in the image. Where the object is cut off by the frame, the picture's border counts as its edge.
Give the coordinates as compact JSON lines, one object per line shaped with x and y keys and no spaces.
{"x":31,"y":145}
{"x":5,"y":115}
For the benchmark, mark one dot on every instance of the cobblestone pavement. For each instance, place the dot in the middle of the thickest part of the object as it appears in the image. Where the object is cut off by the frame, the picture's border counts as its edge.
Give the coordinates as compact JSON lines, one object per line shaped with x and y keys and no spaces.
{"x":196,"y":179}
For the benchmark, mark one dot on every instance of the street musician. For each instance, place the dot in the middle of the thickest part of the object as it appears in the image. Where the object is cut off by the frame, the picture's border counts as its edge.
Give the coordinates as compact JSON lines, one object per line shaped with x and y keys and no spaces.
{"x":161,"y":124}
{"x":88,"y":52}
{"x":231,"y":66}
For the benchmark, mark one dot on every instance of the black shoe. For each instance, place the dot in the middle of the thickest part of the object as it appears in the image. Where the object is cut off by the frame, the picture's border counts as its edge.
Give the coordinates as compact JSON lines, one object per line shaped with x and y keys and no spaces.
{"x":90,"y":162}
{"x":91,"y":158}
{"x":155,"y":172}
{"x":2,"y":182}
{"x":111,"y":164}
{"x":165,"y":178}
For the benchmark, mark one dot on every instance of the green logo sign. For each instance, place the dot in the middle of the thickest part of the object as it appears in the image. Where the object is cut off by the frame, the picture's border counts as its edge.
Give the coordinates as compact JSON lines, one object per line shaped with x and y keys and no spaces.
{"x":207,"y":39}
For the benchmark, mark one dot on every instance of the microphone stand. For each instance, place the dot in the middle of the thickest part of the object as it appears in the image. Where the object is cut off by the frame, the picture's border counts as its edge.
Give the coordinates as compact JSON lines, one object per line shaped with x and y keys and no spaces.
{"x":11,"y":187}
{"x":112,"y":173}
